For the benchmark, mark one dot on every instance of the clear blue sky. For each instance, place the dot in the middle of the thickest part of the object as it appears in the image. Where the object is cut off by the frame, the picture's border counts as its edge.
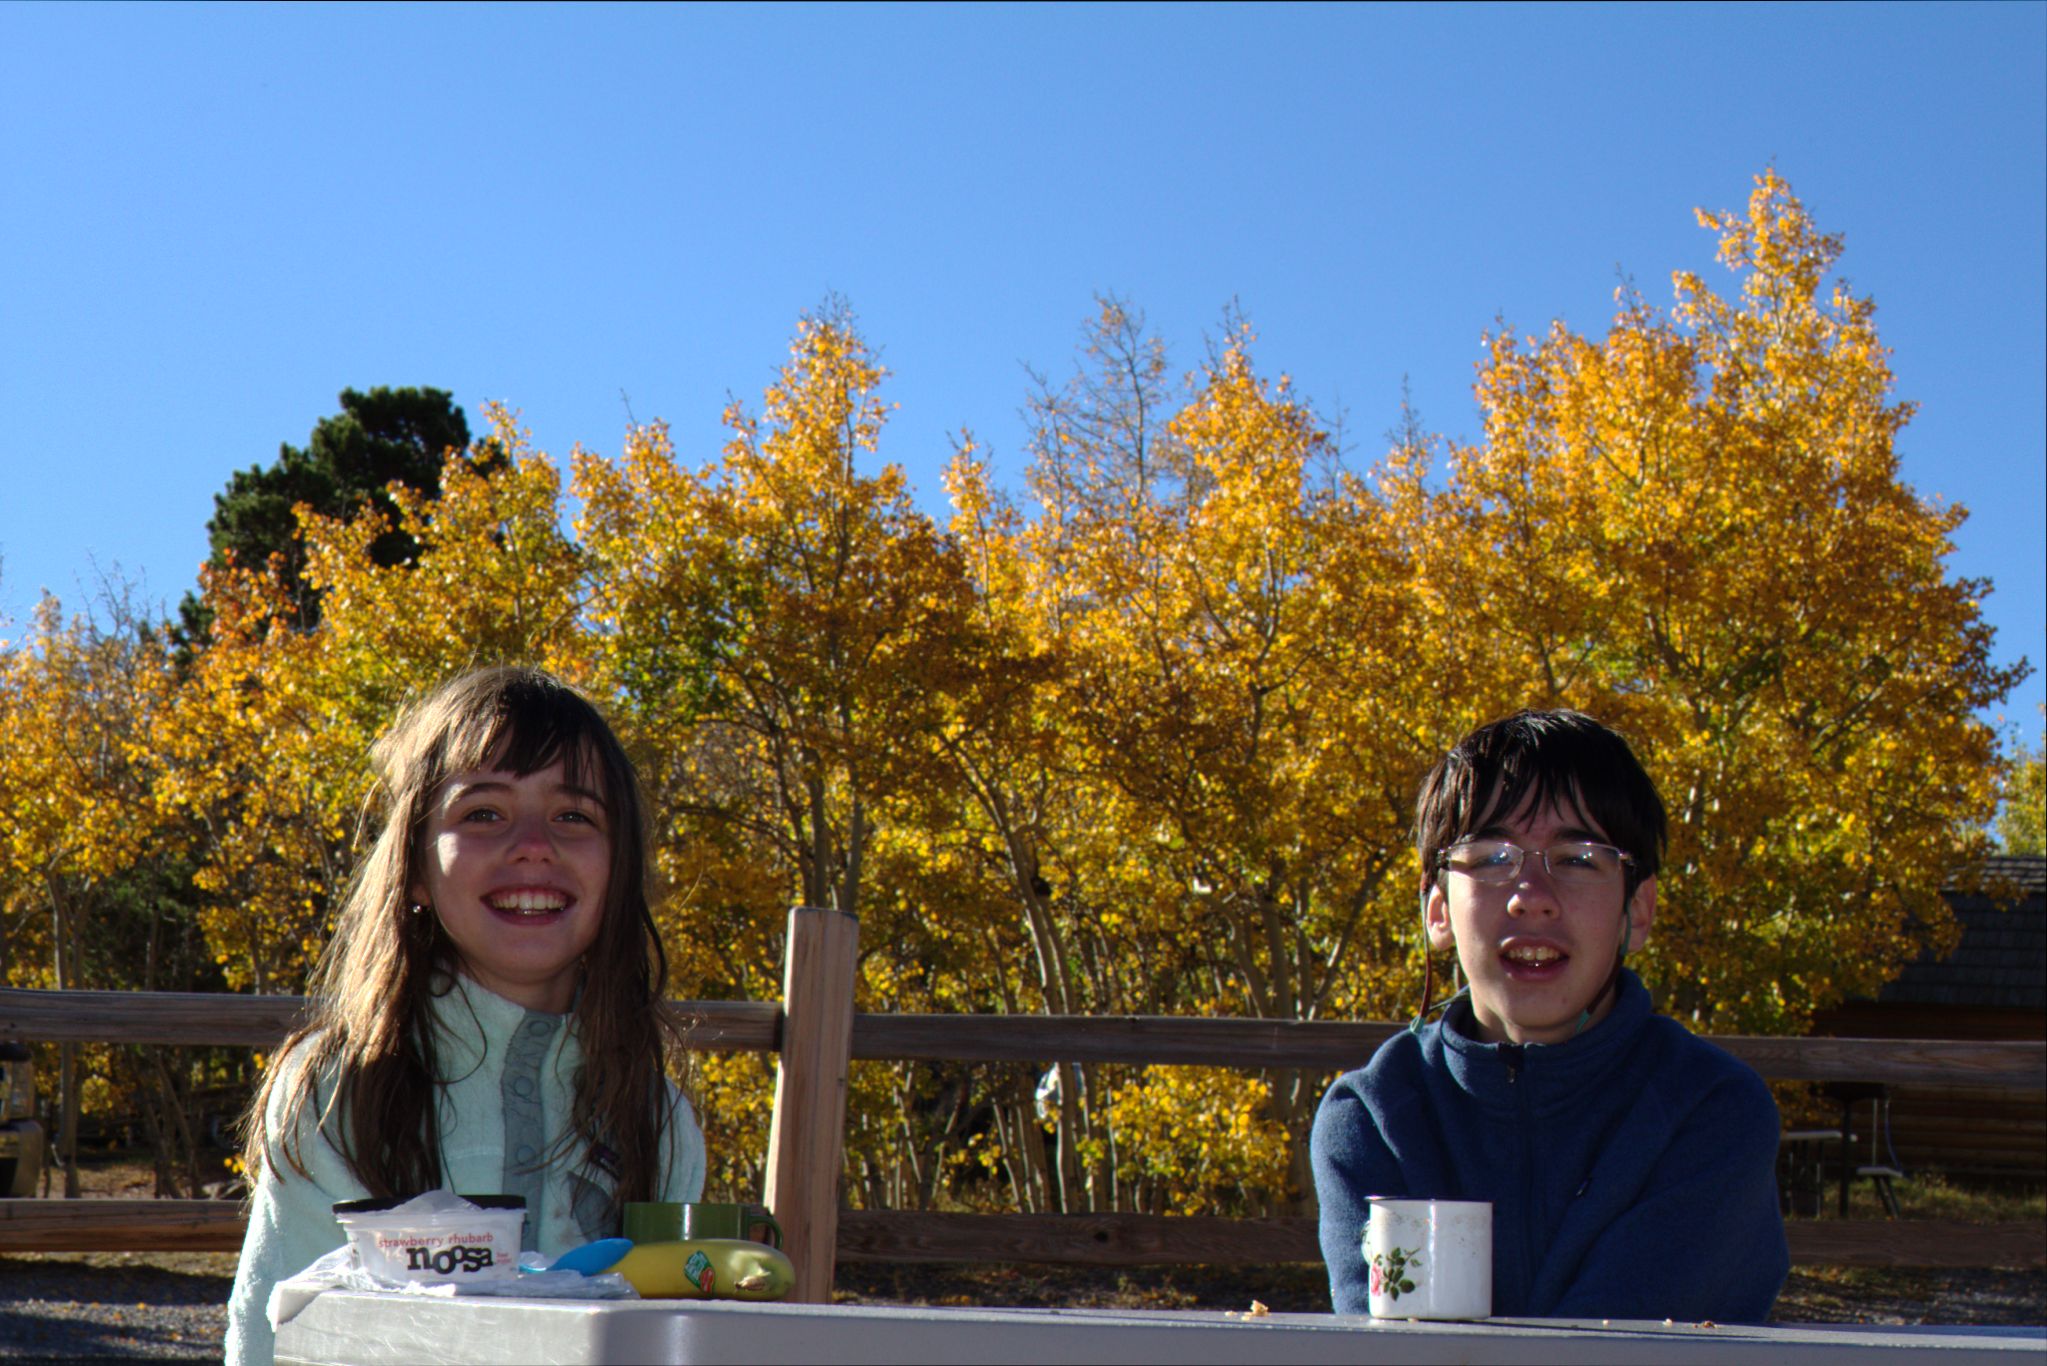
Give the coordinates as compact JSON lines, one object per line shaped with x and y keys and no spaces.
{"x":213,"y":219}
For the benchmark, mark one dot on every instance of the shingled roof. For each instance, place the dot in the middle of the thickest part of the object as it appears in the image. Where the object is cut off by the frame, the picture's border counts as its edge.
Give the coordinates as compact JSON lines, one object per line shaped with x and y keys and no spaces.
{"x":2001,"y":961}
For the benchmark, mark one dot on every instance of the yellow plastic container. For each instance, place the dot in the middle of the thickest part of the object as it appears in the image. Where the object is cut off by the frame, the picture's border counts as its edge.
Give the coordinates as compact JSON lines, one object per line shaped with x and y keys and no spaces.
{"x":708,"y":1268}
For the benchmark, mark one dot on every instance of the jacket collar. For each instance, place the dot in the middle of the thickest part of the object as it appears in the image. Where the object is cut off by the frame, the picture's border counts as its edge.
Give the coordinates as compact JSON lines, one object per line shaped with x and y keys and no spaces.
{"x":468,"y":1016}
{"x":1556,"y":1071}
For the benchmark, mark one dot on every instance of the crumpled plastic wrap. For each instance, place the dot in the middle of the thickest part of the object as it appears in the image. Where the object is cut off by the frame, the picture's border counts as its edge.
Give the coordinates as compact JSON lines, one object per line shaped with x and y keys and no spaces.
{"x":342,"y":1269}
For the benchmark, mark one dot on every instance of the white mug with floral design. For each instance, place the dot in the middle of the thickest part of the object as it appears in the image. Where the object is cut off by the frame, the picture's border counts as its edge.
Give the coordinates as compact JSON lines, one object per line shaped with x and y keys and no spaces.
{"x":1430,"y":1259}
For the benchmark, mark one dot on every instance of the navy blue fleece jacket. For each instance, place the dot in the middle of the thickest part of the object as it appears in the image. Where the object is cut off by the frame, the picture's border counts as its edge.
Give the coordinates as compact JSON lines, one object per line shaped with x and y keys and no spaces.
{"x":1632,"y":1170}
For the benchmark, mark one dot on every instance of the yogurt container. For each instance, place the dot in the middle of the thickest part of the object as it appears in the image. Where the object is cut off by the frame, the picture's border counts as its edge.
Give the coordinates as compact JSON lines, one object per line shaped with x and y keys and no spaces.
{"x":436,"y":1239}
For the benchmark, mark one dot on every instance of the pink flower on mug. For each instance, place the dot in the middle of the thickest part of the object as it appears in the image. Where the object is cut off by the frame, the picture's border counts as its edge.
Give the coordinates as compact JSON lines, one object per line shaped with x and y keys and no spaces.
{"x":1389,"y":1271}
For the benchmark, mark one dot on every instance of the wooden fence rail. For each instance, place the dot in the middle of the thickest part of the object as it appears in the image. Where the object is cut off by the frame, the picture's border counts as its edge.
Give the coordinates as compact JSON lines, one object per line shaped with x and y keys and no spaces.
{"x":137,"y":1017}
{"x":820,"y":1035}
{"x":203,"y":1019}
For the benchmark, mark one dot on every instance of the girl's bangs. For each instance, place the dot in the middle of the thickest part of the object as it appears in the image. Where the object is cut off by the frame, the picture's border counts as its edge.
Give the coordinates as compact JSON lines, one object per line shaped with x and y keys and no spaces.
{"x":526,"y":731}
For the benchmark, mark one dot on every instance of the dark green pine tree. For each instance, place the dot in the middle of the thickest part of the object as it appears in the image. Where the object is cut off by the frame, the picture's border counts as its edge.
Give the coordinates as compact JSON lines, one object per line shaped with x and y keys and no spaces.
{"x":376,"y":438}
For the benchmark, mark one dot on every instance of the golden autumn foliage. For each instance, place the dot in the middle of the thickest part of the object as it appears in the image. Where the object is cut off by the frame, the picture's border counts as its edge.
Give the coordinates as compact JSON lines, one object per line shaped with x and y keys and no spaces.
{"x":1695,"y":528}
{"x":1142,"y":740}
{"x":77,"y":696}
{"x":88,"y":872}
{"x":2022,"y":822}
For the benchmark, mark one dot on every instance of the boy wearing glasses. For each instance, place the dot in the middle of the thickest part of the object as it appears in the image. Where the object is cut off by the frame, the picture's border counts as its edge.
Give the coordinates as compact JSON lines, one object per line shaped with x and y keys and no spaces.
{"x":1630,"y":1165}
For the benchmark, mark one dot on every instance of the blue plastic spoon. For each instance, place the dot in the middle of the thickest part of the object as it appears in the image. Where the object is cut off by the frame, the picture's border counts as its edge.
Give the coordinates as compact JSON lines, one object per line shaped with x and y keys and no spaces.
{"x":593,"y":1258}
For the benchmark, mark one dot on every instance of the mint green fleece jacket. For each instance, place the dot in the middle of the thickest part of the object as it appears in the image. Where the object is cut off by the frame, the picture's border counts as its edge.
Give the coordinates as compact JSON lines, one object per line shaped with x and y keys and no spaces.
{"x":509,"y":1084}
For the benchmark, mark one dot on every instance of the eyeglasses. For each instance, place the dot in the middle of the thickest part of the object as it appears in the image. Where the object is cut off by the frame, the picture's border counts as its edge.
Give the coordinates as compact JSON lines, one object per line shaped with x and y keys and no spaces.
{"x":1573,"y":863}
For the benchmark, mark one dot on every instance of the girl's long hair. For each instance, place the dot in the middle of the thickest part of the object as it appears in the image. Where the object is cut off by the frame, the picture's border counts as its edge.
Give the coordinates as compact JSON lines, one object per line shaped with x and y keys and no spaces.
{"x":367,"y":1059}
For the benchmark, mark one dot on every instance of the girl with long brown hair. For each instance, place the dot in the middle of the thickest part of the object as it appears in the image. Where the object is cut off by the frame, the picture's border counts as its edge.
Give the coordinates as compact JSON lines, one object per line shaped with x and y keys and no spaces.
{"x":489,"y":1016}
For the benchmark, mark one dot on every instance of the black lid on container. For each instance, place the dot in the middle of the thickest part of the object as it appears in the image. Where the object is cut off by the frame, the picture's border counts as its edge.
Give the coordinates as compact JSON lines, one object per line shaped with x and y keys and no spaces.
{"x":517,"y":1202}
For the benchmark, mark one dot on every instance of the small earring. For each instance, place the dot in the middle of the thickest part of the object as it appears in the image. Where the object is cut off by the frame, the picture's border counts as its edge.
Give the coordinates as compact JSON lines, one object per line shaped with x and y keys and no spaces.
{"x":419,"y":908}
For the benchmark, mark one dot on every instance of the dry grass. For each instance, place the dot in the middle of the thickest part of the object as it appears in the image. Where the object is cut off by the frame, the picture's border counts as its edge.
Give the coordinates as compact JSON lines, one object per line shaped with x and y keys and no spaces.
{"x":1932,"y":1196}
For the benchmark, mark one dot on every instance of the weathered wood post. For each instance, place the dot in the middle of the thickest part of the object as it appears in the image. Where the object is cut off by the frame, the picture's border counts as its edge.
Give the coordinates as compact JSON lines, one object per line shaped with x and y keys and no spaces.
{"x":808,"y":1135}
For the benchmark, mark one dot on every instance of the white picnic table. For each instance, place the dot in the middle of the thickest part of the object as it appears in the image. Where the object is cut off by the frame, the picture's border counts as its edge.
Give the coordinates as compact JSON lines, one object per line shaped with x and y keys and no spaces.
{"x":350,"y":1328}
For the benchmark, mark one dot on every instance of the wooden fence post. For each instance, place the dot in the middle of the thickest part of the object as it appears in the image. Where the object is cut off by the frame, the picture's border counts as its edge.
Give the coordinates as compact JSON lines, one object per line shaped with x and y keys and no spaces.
{"x":806,"y":1142}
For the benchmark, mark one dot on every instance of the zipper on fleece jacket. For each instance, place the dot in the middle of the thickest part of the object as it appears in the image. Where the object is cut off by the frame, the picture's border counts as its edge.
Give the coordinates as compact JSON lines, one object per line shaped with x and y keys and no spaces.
{"x":1515,"y":1056}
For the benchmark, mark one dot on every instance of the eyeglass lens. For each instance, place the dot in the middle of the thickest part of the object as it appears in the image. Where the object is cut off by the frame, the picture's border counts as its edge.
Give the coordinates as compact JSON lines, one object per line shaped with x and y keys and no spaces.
{"x":1573,"y":862}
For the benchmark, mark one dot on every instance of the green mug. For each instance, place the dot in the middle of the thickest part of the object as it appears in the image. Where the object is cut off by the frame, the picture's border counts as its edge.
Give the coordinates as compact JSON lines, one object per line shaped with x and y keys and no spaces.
{"x":666,"y":1221}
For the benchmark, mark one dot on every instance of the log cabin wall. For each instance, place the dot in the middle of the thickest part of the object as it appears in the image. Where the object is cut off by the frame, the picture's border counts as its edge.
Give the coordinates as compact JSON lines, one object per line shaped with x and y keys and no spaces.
{"x":1993,"y":986}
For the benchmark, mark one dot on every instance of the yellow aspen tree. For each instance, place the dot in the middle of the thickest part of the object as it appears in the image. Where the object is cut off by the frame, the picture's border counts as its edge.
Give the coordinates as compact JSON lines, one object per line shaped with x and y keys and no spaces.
{"x":248,"y":768}
{"x":496,"y":580}
{"x":1035,"y":841}
{"x":1696,"y":528}
{"x":2022,"y":813}
{"x":817,"y":597}
{"x":76,"y":696}
{"x":786,"y":625}
{"x":1232,"y":690}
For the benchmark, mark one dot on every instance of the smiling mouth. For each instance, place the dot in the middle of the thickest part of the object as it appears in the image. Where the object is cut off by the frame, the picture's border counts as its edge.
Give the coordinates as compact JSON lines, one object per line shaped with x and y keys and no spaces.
{"x":526,"y":902}
{"x":1533,"y":955}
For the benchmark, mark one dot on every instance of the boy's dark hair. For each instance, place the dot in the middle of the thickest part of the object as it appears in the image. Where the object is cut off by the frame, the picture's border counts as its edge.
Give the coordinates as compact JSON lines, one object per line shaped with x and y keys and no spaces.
{"x":1560,"y":758}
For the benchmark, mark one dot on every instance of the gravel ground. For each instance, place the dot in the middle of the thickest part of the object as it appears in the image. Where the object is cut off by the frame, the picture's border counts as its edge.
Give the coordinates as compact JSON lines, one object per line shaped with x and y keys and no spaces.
{"x":114,"y":1306}
{"x":1903,"y":1296}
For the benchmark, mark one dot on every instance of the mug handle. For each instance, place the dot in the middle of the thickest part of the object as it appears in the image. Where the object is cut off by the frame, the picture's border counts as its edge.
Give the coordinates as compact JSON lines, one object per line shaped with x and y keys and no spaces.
{"x":759,"y":1214}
